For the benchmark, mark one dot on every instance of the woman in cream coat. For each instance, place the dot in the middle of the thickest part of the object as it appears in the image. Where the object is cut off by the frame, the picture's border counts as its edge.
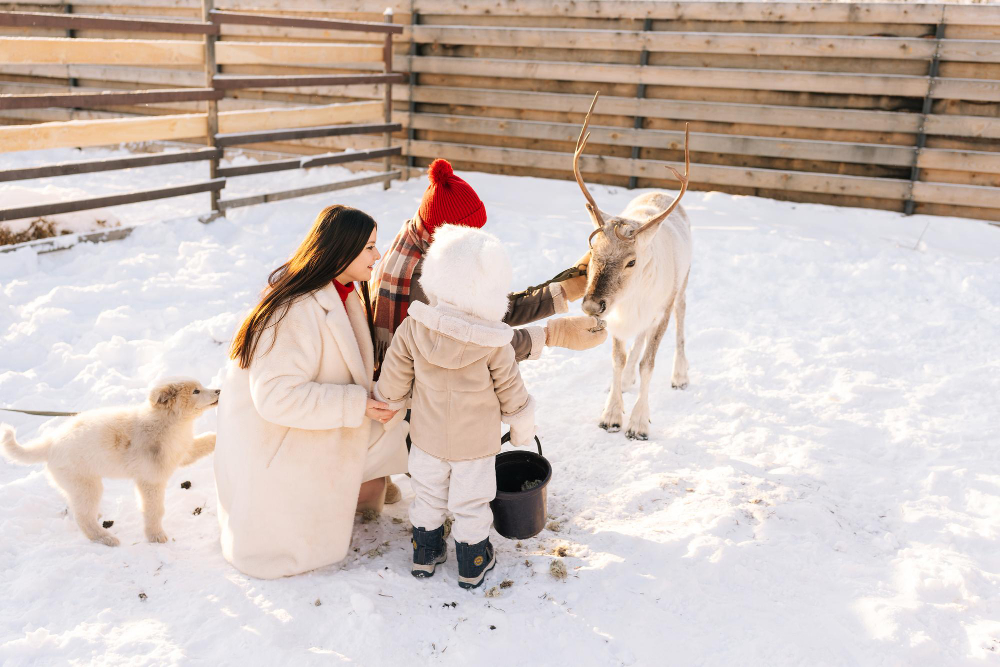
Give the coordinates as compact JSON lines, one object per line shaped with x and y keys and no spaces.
{"x":301,"y":445}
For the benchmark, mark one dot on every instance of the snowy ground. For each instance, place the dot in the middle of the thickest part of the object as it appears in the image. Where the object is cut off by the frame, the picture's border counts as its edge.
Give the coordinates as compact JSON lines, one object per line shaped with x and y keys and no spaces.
{"x":826,"y":492}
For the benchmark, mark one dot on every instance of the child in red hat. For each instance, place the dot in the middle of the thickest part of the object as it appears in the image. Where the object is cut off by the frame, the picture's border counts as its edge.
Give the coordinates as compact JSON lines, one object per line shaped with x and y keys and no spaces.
{"x":450,"y":200}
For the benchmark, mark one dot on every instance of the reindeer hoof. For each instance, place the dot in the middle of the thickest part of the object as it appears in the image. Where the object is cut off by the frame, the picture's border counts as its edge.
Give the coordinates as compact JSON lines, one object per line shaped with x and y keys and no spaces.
{"x":107,"y":539}
{"x":610,"y":428}
{"x":636,"y":435}
{"x":158,"y":538}
{"x":680,"y":385}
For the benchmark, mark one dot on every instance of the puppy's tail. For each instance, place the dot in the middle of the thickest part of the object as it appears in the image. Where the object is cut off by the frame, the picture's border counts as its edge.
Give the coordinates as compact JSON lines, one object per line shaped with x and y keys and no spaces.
{"x":15,"y":452}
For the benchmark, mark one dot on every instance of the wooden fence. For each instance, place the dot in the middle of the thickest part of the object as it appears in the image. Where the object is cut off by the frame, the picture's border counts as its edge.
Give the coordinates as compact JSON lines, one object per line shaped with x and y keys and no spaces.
{"x":881,"y":105}
{"x":221,"y":130}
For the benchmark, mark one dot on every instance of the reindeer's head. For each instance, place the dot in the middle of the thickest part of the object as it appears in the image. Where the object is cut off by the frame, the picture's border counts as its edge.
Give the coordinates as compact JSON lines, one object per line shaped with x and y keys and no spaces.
{"x":617,"y":243}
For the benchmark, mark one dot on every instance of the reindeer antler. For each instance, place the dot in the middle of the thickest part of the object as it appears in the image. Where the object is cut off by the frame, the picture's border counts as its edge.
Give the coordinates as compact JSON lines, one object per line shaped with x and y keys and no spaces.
{"x":670,"y":209}
{"x":581,"y":143}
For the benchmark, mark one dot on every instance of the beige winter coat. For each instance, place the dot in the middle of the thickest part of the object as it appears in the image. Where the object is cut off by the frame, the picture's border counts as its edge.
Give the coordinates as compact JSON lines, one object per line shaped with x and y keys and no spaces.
{"x":464,"y":381}
{"x":294,"y":444}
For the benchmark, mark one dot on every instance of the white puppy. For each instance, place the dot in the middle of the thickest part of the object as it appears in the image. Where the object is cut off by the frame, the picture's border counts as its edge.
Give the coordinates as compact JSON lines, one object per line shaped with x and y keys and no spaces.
{"x":145,"y":443}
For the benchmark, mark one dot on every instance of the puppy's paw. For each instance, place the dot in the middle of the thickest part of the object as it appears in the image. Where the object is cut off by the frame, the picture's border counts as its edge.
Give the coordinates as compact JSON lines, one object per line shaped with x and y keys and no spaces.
{"x":158,"y":537}
{"x":108,"y":539}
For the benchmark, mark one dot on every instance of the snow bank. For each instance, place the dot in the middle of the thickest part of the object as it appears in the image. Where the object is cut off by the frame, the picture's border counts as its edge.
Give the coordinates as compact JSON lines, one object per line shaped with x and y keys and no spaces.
{"x":826,"y":492}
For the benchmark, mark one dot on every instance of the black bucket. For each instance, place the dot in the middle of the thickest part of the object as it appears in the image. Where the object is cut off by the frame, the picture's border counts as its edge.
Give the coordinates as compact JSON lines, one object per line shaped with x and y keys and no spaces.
{"x":517,"y":514}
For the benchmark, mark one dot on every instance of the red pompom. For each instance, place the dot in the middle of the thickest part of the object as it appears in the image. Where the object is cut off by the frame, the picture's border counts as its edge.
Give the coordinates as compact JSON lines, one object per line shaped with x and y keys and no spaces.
{"x":440,"y":171}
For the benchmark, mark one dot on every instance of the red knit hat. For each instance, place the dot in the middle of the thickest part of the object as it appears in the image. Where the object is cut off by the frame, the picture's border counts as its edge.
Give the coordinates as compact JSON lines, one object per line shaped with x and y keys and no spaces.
{"x":449,"y":199}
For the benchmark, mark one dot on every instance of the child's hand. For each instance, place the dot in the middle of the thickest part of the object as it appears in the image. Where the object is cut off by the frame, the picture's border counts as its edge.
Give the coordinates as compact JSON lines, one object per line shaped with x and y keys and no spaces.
{"x":521,"y":437}
{"x":379,"y":411}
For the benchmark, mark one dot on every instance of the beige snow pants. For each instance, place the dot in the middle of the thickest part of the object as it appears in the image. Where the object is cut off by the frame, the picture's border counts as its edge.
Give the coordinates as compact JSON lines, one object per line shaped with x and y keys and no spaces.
{"x":464,"y":488}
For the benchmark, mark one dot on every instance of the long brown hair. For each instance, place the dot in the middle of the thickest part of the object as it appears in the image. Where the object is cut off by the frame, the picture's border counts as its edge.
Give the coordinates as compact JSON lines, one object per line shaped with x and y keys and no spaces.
{"x":336,"y":238}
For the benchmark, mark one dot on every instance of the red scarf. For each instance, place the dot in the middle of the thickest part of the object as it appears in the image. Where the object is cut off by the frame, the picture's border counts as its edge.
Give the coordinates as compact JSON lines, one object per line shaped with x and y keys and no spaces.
{"x":343,"y":290}
{"x":391,"y":287}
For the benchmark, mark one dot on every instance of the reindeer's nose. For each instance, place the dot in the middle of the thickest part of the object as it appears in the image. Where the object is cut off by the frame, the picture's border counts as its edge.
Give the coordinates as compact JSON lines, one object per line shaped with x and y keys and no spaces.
{"x":594,"y":306}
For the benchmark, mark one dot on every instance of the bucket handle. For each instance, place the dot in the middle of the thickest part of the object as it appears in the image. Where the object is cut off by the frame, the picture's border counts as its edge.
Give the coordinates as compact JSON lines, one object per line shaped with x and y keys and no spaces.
{"x":506,"y":438}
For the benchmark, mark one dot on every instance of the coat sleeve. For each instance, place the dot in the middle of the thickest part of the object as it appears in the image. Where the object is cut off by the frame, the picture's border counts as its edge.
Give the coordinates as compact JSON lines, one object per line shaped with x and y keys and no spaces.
{"x":396,"y":380}
{"x":507,"y":382}
{"x":536,"y":305}
{"x":281,"y":378}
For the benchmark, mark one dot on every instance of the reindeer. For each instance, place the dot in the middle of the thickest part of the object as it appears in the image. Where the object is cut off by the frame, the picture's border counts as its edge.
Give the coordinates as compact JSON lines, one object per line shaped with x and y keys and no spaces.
{"x":638,"y":272}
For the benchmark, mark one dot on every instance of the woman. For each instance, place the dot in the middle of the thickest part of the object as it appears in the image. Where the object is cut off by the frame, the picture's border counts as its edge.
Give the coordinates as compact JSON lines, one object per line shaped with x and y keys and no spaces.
{"x":301,"y":445}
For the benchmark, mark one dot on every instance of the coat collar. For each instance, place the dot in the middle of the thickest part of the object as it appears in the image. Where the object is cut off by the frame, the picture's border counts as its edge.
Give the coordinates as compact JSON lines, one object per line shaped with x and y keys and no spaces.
{"x":463,"y":327}
{"x":349,"y":325}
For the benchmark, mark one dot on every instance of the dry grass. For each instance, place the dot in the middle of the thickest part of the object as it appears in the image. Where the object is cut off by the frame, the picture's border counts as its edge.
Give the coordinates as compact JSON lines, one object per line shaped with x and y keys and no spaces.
{"x":38,"y":229}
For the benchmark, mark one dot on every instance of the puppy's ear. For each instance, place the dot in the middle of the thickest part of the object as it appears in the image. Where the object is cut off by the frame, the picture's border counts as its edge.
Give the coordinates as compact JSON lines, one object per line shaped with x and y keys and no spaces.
{"x":165,"y":396}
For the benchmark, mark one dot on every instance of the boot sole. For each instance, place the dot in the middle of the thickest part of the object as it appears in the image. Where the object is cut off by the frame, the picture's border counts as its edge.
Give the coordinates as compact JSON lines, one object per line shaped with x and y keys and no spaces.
{"x":476,"y":582}
{"x":423,"y":571}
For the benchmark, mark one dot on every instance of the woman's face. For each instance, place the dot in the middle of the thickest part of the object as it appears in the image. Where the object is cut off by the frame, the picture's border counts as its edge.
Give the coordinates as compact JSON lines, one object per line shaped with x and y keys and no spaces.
{"x":360,"y":270}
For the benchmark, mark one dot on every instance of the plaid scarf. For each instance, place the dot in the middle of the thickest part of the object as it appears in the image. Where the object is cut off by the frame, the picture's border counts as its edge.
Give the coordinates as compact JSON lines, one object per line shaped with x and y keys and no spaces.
{"x":392,"y":285}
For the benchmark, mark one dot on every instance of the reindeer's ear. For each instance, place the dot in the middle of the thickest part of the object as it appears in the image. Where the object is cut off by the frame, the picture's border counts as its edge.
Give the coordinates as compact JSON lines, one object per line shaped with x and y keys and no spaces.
{"x":595,"y":216}
{"x":164,"y":396}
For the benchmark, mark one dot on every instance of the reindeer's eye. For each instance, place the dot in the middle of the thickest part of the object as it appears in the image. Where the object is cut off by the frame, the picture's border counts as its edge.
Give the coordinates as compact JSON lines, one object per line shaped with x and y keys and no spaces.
{"x":630,"y":263}
{"x":196,"y":391}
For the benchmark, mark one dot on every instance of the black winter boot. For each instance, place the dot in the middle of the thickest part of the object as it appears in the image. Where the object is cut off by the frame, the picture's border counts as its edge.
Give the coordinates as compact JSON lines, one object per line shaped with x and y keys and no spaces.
{"x":429,"y":550}
{"x":474,"y":561}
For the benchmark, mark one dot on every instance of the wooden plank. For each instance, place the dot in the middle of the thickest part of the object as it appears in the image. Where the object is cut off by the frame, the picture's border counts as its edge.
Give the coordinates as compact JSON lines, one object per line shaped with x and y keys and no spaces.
{"x":700,"y":173}
{"x":697,"y":77}
{"x":243,"y":82}
{"x":702,"y":42}
{"x":294,"y":117}
{"x":256,"y":137}
{"x":185,"y":126}
{"x":823,"y":12}
{"x":970,"y":50}
{"x":64,"y":51}
{"x":110,"y":200}
{"x":220,"y":17}
{"x":48,"y":50}
{"x":80,"y":100}
{"x":108,"y":164}
{"x":959,"y":195}
{"x":979,"y":90}
{"x":83,"y":21}
{"x":977,"y":161}
{"x":672,"y":140}
{"x":263,"y":53}
{"x":227,"y":204}
{"x":309,"y":162}
{"x":100,"y":132}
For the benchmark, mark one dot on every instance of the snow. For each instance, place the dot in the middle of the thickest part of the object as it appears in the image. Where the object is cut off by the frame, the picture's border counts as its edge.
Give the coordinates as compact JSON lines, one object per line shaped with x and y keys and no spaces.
{"x":826,"y":492}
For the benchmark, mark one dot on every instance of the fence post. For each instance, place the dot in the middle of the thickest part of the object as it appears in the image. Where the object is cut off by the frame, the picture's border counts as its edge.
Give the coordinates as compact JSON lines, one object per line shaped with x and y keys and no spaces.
{"x":932,"y":74}
{"x":213,"y":105}
{"x":411,"y":133}
{"x":387,"y":68}
{"x":647,"y":25}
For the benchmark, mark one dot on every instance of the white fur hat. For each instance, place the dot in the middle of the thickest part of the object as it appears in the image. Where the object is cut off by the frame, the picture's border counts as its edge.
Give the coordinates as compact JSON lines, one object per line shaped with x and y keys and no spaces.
{"x":468,"y":269}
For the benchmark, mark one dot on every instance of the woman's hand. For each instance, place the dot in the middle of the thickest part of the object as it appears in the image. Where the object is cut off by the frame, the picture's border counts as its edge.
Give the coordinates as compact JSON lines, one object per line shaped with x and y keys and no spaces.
{"x":379,"y":411}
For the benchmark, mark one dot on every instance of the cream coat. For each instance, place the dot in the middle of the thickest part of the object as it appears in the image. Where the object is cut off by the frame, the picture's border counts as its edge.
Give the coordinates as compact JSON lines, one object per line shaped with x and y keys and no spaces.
{"x":294,"y":444}
{"x":464,"y":381}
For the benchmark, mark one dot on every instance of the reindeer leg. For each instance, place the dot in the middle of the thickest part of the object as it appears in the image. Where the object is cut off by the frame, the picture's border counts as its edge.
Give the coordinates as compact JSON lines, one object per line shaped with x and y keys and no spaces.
{"x":680,"y":377}
{"x":614,"y":409}
{"x":628,"y":376}
{"x":638,"y":423}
